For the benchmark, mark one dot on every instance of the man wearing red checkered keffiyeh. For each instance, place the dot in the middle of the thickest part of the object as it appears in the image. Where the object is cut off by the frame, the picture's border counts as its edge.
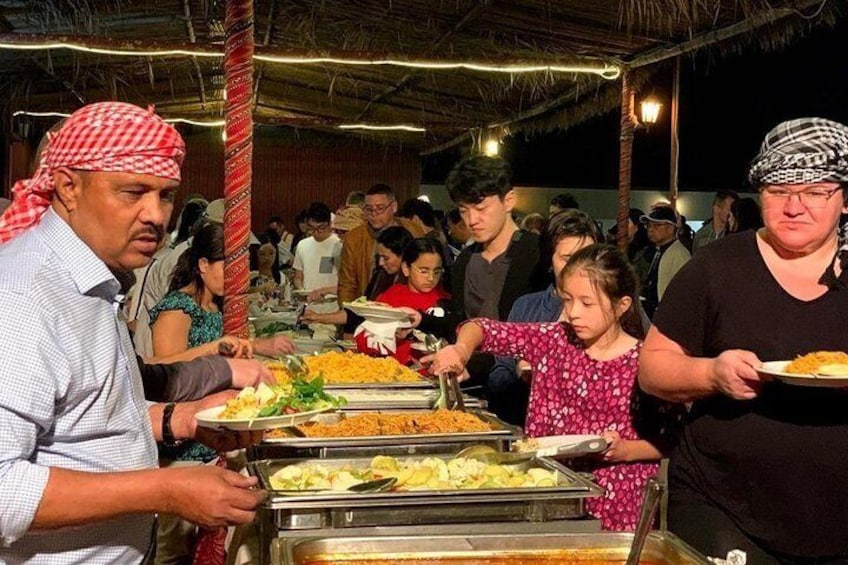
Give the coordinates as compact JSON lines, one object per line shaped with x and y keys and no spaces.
{"x":96,"y":208}
{"x":103,"y":137}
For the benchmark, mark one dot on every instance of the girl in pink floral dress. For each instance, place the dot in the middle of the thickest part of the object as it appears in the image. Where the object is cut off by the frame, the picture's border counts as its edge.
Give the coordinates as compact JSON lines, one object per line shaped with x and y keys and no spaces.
{"x":584,"y":377}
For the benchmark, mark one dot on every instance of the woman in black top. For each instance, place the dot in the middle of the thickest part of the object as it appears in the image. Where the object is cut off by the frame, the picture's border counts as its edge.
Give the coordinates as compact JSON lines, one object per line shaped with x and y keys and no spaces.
{"x":761,"y":465}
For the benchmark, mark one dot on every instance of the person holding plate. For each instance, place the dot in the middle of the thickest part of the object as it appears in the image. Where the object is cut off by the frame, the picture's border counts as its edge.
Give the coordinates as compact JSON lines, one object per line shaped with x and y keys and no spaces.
{"x":78,"y":466}
{"x":760,"y":466}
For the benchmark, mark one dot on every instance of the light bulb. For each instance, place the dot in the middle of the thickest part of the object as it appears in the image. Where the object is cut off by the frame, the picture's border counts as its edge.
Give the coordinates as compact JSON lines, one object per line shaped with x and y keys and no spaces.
{"x":492,"y":147}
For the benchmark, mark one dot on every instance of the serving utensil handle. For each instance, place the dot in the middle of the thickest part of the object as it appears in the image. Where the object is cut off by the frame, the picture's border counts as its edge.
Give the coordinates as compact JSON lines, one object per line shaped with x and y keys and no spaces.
{"x":458,"y":402}
{"x":654,"y":490}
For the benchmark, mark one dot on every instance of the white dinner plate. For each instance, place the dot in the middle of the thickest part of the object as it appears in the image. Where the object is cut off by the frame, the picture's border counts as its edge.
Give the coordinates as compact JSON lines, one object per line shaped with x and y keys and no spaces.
{"x":209,"y":419}
{"x":372,"y":312}
{"x":775,"y":369}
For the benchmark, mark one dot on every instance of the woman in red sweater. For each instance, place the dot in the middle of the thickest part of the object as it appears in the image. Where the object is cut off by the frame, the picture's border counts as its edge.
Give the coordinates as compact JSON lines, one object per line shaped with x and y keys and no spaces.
{"x":422,"y":267}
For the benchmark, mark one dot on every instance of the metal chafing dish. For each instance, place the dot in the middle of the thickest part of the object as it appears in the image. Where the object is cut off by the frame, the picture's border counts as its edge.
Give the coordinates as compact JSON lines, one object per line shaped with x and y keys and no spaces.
{"x":397,"y":398}
{"x":500,"y":438}
{"x":661,"y":548}
{"x":306,"y":510}
{"x":422,"y":383}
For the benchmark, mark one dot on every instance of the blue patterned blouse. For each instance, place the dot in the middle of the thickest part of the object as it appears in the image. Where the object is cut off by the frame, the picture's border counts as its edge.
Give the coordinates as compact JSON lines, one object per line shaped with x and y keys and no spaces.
{"x":205,"y":326}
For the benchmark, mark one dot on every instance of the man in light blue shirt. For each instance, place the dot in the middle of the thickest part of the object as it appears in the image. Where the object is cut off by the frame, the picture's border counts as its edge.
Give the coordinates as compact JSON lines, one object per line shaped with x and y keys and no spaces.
{"x":77,"y":452}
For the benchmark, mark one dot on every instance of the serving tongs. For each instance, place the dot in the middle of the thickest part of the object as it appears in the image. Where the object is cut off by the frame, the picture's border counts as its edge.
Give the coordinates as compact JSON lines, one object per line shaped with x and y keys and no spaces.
{"x":654,"y":490}
{"x":488,"y":454}
{"x":450,"y":395}
{"x":295,"y":366}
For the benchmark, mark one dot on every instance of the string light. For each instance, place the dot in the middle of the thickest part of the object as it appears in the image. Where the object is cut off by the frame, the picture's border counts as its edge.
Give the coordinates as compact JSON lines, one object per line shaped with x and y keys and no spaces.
{"x":609,"y":72}
{"x":222,"y":123}
{"x":399,"y":127}
{"x":111,"y":51}
{"x":604,"y":70}
{"x":207,"y":123}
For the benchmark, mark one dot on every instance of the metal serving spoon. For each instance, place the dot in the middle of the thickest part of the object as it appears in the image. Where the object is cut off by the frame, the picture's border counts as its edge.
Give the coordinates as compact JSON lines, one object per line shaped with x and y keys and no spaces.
{"x":377,"y":485}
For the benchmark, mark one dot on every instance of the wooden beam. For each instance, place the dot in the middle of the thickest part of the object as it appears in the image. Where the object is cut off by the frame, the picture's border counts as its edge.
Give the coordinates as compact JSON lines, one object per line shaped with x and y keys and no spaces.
{"x":675,"y":140}
{"x":52,"y":74}
{"x":447,"y":144}
{"x":716,"y":36}
{"x":655,"y":56}
{"x":265,"y":41}
{"x":193,"y":39}
{"x":409,"y":77}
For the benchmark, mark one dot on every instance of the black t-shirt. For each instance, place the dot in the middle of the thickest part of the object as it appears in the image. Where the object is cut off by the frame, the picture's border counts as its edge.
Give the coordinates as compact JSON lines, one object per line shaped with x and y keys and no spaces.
{"x":777,"y":465}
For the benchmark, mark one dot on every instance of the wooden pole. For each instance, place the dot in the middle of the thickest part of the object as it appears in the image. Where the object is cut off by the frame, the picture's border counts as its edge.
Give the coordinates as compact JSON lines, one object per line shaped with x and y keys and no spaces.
{"x":625,"y":159}
{"x":238,"y":69}
{"x":675,"y":141}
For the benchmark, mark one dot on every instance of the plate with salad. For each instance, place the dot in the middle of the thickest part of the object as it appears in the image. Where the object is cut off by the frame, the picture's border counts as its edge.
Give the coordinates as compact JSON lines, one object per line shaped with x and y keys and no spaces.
{"x":275,"y":406}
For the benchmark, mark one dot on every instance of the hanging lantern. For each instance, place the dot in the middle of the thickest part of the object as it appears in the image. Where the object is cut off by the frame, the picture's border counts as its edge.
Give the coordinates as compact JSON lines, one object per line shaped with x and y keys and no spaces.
{"x":492,"y":147}
{"x":650,"y":111}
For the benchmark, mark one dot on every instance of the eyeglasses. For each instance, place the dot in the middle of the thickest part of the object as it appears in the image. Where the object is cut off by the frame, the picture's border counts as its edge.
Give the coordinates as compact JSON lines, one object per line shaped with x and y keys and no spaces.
{"x":375,"y":210}
{"x":424,"y":272}
{"x":810,"y":198}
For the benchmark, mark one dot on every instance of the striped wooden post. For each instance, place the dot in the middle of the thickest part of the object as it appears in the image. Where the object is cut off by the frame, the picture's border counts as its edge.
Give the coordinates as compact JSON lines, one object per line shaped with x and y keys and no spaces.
{"x":238,"y":69}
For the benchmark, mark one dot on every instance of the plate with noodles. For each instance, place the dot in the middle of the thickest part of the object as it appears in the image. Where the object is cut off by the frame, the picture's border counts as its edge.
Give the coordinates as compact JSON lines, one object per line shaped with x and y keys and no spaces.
{"x":817,"y":369}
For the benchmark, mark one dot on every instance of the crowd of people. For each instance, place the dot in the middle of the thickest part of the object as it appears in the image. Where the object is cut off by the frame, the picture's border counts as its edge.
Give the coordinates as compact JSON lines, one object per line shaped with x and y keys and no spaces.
{"x":655,"y":345}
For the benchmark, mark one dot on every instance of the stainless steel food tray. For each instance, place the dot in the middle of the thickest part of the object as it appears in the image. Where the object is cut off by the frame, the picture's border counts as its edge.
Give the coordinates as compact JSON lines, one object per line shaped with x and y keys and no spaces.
{"x":422,"y":383}
{"x":314,"y":510}
{"x":375,"y":398}
{"x":662,"y":548}
{"x":500,"y":429}
{"x":369,"y":446}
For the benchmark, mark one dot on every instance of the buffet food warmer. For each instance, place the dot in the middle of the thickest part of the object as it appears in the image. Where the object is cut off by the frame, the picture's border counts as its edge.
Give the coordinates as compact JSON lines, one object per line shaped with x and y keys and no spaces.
{"x":607,"y":548}
{"x":372,"y":397}
{"x":280,"y":446}
{"x":296,"y":515}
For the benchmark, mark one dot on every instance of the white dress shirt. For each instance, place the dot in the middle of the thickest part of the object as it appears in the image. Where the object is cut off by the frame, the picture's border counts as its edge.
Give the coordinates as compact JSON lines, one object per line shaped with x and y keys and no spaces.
{"x":71,"y":395}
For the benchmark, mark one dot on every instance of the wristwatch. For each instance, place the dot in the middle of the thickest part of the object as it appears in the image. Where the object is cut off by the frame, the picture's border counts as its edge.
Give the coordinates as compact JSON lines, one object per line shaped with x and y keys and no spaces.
{"x":167,"y":433}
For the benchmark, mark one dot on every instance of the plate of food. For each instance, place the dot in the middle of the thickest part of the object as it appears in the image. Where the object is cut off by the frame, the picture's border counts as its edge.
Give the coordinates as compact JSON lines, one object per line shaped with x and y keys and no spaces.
{"x":372,"y":310}
{"x":275,"y":406}
{"x":817,"y":369}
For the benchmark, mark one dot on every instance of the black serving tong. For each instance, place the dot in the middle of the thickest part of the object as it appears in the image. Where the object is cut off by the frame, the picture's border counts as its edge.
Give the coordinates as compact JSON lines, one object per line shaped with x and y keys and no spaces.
{"x":654,"y":490}
{"x":450,"y":395}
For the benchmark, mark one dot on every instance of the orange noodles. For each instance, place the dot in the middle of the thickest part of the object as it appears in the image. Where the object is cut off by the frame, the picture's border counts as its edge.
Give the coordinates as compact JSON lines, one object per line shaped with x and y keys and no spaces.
{"x":350,"y":368}
{"x":813,"y":362}
{"x":403,"y":423}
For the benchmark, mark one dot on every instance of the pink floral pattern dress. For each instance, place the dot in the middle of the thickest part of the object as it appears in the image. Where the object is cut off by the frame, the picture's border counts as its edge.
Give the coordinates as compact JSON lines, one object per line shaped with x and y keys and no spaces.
{"x":572,"y":393}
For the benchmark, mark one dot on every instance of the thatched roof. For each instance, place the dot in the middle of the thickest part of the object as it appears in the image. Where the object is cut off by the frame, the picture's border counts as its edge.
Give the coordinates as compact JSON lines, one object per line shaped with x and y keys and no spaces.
{"x":448,"y":103}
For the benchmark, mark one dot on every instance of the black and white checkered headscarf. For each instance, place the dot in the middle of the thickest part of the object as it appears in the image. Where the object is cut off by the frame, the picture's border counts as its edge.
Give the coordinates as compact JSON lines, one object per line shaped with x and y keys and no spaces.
{"x":802,"y":151}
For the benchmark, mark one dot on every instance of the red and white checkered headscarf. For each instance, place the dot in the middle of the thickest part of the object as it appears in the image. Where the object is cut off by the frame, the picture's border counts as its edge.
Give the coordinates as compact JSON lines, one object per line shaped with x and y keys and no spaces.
{"x":106,"y":136}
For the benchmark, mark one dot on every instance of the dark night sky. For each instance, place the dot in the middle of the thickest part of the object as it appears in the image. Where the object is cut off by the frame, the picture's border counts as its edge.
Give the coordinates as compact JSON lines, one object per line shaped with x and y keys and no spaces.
{"x":727,"y":104}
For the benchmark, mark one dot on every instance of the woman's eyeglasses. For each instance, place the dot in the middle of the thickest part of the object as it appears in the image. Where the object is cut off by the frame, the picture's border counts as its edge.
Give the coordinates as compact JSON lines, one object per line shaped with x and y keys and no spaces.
{"x":810,"y":198}
{"x":425,"y":272}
